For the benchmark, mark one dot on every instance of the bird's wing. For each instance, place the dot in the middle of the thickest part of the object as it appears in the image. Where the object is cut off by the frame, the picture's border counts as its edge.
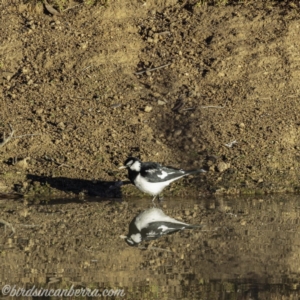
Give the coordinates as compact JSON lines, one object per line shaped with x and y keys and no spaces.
{"x":148,"y":234}
{"x":158,"y":229}
{"x":154,"y":172}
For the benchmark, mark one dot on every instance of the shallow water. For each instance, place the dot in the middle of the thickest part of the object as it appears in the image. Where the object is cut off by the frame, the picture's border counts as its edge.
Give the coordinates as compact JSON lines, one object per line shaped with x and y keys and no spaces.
{"x":250,"y":249}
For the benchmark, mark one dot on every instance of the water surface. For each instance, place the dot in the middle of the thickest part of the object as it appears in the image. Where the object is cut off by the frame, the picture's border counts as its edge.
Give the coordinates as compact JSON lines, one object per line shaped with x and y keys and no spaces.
{"x":250,"y":249}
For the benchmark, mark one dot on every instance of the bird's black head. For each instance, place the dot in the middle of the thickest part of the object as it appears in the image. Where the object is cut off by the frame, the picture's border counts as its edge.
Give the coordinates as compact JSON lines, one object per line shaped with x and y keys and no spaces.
{"x":132,"y":163}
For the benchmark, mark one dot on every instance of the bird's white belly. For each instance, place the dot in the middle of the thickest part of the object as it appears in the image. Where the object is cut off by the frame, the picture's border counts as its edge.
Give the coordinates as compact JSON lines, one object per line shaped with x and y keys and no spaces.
{"x":152,"y":188}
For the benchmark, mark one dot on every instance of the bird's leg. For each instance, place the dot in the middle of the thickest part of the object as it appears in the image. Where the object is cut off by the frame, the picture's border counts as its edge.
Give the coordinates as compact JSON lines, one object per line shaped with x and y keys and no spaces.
{"x":160,"y":198}
{"x":153,"y":200}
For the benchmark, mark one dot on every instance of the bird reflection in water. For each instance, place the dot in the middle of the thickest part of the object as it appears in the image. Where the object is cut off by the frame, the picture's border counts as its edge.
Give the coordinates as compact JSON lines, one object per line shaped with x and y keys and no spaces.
{"x":152,"y":224}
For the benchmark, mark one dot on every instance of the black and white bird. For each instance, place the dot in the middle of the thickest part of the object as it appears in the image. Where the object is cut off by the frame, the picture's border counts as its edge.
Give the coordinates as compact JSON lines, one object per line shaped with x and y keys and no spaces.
{"x":151,"y":224}
{"x":152,"y":178}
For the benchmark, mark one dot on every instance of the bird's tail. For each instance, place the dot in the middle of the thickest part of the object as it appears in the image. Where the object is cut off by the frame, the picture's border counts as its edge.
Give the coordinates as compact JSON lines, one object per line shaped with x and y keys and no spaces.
{"x":203,"y":226}
{"x":195,"y":171}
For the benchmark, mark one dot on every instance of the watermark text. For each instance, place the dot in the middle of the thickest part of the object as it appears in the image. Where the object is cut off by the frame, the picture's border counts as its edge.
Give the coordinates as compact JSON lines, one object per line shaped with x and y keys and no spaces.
{"x":13,"y":291}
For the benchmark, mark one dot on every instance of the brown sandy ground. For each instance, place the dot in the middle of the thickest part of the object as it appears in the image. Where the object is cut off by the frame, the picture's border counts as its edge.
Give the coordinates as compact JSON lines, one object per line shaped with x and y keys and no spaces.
{"x":78,"y":108}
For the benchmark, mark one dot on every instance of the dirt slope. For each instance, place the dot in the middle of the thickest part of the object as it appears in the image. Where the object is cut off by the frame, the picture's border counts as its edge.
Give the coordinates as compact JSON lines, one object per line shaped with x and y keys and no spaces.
{"x":70,"y":92}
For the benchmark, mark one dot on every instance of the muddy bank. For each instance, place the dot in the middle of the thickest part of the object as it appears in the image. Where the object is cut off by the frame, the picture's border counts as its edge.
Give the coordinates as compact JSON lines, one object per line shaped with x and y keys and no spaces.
{"x":75,"y":94}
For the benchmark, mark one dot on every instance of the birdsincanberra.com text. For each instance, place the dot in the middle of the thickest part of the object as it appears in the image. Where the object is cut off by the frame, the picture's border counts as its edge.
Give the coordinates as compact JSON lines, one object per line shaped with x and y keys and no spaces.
{"x":14,"y":291}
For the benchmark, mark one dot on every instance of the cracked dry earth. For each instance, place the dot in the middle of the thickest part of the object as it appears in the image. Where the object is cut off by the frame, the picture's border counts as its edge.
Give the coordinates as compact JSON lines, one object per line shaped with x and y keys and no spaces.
{"x":73,"y":91}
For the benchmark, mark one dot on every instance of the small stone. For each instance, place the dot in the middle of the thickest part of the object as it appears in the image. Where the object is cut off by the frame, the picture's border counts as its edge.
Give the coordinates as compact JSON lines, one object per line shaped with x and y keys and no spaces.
{"x":150,"y":40}
{"x":242,"y":125}
{"x":83,"y":45}
{"x":209,"y":163}
{"x":39,"y":111}
{"x":187,"y":212}
{"x":160,"y":102}
{"x":148,"y":108}
{"x":243,"y":222}
{"x":25,"y":70}
{"x":177,"y":132}
{"x":61,"y":125}
{"x":222,"y":166}
{"x":22,"y":164}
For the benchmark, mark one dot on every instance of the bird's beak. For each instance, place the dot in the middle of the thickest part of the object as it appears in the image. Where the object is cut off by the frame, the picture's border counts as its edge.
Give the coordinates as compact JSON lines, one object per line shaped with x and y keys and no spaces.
{"x":123,"y":167}
{"x":123,"y":237}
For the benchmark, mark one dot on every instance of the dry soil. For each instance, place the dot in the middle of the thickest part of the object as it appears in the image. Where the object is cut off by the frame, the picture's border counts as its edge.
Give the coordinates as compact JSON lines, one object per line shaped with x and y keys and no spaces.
{"x":81,"y":92}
